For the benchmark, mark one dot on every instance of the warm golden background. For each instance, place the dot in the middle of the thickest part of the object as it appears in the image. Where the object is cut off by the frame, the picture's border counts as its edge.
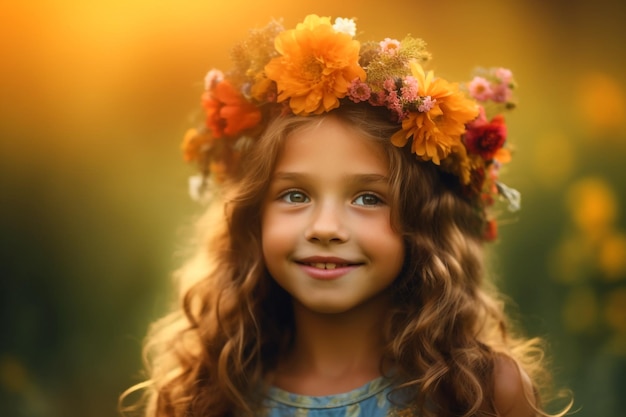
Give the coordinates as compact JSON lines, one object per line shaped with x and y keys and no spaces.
{"x":95,"y":97}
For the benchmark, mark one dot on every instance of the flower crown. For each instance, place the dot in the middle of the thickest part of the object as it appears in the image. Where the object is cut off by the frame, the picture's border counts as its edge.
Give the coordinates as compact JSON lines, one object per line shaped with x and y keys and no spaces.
{"x":317,"y":66}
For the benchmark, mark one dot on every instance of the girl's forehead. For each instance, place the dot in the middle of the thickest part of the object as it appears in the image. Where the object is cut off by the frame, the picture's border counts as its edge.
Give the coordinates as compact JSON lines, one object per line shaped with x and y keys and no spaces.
{"x":334,"y":145}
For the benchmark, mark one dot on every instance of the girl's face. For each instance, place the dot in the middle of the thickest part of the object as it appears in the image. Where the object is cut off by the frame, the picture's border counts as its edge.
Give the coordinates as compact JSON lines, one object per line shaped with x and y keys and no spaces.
{"x":326,"y":231}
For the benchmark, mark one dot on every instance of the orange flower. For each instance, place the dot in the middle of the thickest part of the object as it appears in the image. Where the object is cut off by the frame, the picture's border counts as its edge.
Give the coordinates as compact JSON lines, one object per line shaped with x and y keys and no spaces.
{"x":263,"y":89}
{"x":503,"y":156}
{"x":460,"y":163}
{"x":228,"y":113}
{"x":194,"y":143}
{"x":316,"y":66}
{"x":437,"y":132}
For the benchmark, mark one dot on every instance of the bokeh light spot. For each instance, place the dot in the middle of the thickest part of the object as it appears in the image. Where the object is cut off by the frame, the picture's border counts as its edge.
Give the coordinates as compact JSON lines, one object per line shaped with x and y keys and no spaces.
{"x":601,"y":103}
{"x":612,"y":257}
{"x":13,"y":375}
{"x":580,"y":310}
{"x":615,"y":310}
{"x":570,"y":261}
{"x":553,"y":159}
{"x":593,"y":207}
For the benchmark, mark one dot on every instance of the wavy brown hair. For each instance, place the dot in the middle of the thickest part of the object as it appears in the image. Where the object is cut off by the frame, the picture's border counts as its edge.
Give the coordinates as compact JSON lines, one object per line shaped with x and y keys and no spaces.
{"x":445,"y":334}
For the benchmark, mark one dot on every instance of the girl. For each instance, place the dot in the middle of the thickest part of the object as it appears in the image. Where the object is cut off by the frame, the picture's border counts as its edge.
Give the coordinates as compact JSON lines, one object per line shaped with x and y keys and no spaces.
{"x":339,"y":267}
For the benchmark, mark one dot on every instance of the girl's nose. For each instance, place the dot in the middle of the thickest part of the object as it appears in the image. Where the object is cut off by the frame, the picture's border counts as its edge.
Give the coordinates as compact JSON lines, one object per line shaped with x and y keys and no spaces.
{"x":327,"y":224}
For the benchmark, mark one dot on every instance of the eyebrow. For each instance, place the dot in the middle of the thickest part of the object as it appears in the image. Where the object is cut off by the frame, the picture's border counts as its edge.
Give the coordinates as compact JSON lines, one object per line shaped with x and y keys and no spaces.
{"x":354,"y":178}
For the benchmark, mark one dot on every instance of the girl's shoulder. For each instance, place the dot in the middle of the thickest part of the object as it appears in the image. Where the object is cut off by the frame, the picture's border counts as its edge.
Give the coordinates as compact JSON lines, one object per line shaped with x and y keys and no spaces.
{"x":513,"y":393}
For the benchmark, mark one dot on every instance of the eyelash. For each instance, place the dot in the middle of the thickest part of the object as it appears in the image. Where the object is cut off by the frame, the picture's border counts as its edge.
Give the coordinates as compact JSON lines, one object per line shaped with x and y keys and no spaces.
{"x":284,"y":196}
{"x":379,"y":200}
{"x":290,"y":193}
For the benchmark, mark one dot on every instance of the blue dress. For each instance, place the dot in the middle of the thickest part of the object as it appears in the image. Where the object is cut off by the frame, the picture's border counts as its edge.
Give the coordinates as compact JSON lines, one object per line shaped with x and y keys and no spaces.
{"x":369,"y":400}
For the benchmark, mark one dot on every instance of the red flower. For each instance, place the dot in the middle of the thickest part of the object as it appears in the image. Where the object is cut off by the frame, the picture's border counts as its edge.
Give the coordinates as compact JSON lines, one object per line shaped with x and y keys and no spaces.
{"x":228,"y":113}
{"x":490,"y":233}
{"x":485,"y":138}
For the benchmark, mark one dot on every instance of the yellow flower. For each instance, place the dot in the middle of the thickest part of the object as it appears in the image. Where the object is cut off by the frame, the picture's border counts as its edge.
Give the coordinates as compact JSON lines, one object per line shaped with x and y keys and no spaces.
{"x":437,"y":132}
{"x":315,"y":67}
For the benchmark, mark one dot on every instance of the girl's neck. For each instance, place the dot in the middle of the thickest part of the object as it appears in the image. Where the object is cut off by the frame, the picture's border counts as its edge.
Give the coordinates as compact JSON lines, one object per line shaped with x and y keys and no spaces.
{"x":334,"y":353}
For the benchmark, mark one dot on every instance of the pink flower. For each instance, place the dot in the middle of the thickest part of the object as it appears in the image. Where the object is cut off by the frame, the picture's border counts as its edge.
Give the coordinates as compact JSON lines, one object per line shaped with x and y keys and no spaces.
{"x":480,"y":89}
{"x":481,"y":118}
{"x":389,"y":84}
{"x":427,"y":104}
{"x":409,"y":89}
{"x":377,"y":99}
{"x":501,"y":93}
{"x":359,"y":91}
{"x":389,"y":46}
{"x":394,"y":104}
{"x":504,"y":75}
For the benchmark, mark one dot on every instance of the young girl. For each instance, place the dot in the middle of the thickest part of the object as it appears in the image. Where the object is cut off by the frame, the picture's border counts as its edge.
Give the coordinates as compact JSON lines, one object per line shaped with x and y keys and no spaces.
{"x":339,"y":266}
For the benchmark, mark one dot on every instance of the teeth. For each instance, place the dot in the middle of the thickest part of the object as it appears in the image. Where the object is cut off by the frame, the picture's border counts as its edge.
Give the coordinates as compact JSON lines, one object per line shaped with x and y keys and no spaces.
{"x":322,"y":265}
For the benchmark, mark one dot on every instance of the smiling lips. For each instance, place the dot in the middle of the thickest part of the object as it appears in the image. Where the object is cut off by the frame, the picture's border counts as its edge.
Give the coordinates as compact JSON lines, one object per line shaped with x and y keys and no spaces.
{"x":326,"y":265}
{"x":327,"y":268}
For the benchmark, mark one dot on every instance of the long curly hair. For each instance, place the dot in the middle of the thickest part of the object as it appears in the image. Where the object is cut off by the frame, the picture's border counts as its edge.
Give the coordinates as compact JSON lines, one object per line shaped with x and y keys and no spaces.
{"x":232,"y":322}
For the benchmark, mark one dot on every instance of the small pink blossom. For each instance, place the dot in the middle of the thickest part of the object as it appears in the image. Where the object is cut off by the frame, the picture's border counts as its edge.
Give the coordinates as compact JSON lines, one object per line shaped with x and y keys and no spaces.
{"x":392,"y":98}
{"x":389,"y":46}
{"x":212,"y":78}
{"x":501,"y":93}
{"x":377,"y":99}
{"x":480,"y":119}
{"x":480,"y":89}
{"x":390,"y":84}
{"x":504,"y":75}
{"x":359,"y":91}
{"x":409,"y":90}
{"x":427,"y":104}
{"x":394,"y":104}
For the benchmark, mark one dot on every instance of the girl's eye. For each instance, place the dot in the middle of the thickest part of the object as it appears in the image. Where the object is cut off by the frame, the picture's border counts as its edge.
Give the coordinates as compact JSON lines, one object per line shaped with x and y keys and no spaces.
{"x":367,"y":200}
{"x":295,"y":197}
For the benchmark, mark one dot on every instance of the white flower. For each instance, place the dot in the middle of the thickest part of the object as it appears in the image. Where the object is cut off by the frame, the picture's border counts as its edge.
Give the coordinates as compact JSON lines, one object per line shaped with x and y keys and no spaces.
{"x":344,"y":25}
{"x":511,"y":195}
{"x":198,"y":189}
{"x":213,"y":77}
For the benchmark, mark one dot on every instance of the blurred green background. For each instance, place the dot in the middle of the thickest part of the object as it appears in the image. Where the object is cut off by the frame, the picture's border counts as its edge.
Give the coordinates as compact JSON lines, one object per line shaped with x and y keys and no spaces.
{"x":95,"y":98}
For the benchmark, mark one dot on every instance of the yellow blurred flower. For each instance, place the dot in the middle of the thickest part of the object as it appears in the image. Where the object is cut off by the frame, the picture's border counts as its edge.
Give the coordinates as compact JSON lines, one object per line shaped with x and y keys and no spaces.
{"x":593,"y":207}
{"x":437,"y":132}
{"x":549,"y":171}
{"x":315,"y":67}
{"x":14,"y":376}
{"x":615,"y":310}
{"x":580,"y":311}
{"x":612,"y":256}
{"x":608,"y":118}
{"x":572,"y":260}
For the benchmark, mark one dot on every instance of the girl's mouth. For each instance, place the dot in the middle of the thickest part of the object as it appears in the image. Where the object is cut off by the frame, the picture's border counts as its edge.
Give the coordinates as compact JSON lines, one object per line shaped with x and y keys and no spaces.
{"x":326,"y":265}
{"x":327,"y":271}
